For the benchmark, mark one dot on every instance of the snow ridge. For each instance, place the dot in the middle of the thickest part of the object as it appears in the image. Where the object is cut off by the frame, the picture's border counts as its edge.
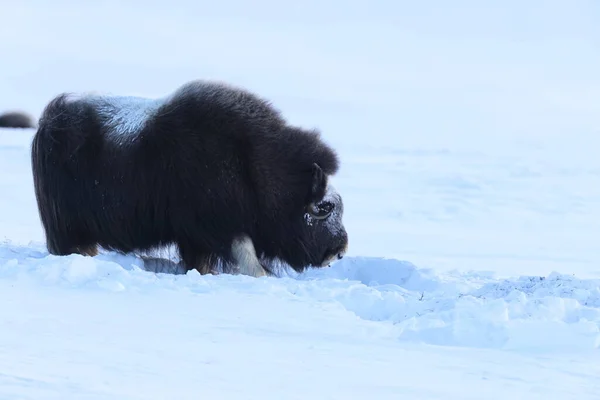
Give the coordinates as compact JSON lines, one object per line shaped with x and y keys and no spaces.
{"x":557,"y":312}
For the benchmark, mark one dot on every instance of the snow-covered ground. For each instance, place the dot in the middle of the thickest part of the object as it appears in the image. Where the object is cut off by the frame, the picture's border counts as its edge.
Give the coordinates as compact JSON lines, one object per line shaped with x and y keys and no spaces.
{"x":469,"y":140}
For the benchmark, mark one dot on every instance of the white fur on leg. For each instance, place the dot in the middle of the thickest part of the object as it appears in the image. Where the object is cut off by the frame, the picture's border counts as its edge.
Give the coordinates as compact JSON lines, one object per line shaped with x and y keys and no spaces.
{"x":245,"y":257}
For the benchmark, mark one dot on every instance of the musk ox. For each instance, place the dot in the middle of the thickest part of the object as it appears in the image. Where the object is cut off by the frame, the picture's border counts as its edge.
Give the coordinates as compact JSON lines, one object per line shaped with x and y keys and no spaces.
{"x":213,"y":169}
{"x":16,"y":119}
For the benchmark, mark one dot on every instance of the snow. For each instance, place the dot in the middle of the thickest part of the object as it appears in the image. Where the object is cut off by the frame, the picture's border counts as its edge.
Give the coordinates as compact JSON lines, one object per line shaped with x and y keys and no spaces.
{"x":468,"y":137}
{"x":76,"y":327}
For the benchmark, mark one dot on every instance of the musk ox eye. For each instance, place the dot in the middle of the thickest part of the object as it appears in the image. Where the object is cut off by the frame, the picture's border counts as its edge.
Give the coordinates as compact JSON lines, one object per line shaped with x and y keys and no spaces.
{"x":321,"y":210}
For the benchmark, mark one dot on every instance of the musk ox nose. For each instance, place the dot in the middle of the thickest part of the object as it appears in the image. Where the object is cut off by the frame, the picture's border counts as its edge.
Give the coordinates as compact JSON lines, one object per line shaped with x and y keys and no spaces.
{"x":342,"y":252}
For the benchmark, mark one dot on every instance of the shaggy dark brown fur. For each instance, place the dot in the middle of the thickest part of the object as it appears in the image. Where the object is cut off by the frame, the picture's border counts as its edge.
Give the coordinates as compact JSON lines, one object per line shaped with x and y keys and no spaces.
{"x":211,"y":168}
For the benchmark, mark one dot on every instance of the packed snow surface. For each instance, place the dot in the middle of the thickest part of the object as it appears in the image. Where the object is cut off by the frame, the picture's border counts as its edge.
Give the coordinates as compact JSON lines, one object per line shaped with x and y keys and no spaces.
{"x":468,"y":138}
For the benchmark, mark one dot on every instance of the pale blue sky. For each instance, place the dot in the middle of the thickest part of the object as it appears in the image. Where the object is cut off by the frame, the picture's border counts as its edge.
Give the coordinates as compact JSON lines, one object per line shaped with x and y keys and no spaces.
{"x":481,"y":68}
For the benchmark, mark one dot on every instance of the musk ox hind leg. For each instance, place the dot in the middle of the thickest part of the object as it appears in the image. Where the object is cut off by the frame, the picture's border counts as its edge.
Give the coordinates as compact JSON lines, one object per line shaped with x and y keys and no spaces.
{"x":244,"y":258}
{"x":90,"y":251}
{"x":62,"y":245}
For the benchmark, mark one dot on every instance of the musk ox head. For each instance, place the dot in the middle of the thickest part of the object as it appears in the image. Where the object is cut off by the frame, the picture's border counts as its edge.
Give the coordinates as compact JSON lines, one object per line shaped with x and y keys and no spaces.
{"x":16,"y":119}
{"x":323,"y":238}
{"x":330,"y":239}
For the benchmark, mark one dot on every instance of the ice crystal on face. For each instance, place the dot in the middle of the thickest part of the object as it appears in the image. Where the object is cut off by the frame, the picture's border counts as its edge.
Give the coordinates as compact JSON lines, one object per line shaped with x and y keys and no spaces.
{"x":309,"y":220}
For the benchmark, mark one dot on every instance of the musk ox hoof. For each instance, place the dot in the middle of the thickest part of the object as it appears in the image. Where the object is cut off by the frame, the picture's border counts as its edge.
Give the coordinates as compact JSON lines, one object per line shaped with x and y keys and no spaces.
{"x":16,"y":119}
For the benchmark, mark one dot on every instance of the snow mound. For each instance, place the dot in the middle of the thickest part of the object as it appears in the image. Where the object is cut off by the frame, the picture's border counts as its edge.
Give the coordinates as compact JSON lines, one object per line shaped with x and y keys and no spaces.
{"x":557,"y":312}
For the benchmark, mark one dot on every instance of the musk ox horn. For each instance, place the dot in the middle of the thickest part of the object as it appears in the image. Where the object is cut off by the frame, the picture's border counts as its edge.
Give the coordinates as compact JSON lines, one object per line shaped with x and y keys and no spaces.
{"x":321,"y":211}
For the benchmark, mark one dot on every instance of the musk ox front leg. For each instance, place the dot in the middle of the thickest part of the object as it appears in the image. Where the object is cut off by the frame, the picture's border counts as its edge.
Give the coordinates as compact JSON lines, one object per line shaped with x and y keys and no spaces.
{"x":192,"y":258}
{"x":244,"y":258}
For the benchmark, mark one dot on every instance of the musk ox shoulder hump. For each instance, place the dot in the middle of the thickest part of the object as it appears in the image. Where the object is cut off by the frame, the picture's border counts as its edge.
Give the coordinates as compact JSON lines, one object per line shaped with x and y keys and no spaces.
{"x":236,"y":100}
{"x":258,"y":112}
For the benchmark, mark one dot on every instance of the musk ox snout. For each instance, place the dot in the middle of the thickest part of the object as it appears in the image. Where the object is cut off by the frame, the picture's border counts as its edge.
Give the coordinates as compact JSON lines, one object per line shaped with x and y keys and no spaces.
{"x":335,"y":252}
{"x":342,"y":245}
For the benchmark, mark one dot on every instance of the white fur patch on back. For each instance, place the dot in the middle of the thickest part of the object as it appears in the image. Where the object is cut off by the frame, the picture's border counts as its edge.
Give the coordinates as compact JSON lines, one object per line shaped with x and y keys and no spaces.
{"x":125,"y":115}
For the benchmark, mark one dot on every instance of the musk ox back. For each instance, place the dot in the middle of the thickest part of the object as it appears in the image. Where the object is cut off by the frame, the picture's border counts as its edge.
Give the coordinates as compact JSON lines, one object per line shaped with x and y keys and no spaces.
{"x":16,"y":119}
{"x":211,"y":168}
